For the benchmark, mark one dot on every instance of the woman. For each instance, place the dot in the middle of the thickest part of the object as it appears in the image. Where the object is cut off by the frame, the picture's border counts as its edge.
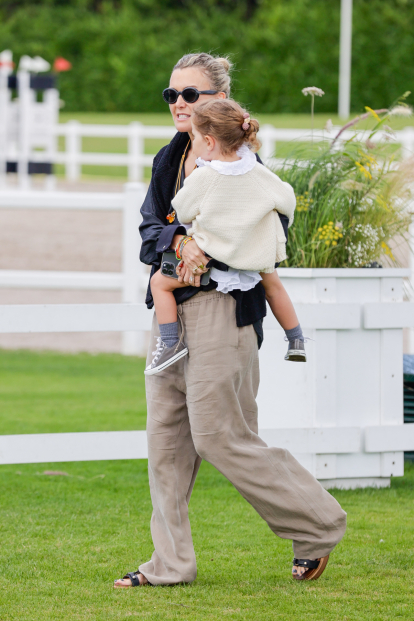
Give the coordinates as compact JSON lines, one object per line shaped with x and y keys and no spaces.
{"x":204,"y":407}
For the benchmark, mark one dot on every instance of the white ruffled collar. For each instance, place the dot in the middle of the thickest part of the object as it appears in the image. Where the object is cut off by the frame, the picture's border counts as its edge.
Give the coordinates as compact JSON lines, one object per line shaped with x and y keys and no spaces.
{"x":239,"y":167}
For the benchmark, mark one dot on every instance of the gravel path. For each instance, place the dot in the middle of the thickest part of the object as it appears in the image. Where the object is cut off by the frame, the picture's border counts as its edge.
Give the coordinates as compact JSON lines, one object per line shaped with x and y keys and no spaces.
{"x":68,"y":241}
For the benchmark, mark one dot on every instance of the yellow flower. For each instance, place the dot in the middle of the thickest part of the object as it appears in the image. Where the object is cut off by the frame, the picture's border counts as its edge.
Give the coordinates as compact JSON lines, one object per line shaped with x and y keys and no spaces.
{"x":372,"y":112}
{"x":303,"y":202}
{"x":363,"y":170}
{"x":329,"y":234}
{"x":388,"y":251}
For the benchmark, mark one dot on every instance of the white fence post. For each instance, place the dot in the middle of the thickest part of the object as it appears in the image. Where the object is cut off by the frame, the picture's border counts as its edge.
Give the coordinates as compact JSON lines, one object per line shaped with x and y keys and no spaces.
{"x":51,"y":100}
{"x":406,"y":138}
{"x":411,"y":281}
{"x":6,"y":58}
{"x":268,"y":147}
{"x":25,"y":94}
{"x":135,"y":151}
{"x":73,"y":150}
{"x":133,"y":343}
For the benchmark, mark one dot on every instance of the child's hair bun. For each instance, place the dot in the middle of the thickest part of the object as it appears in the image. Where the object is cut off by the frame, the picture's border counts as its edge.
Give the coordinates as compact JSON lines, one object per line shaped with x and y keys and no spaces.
{"x":228,"y":123}
{"x":251,"y":135}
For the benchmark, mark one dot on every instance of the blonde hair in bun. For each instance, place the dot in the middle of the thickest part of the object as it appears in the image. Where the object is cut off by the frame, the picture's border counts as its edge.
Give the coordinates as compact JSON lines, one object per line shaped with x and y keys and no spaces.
{"x":216,"y":69}
{"x":228,"y":123}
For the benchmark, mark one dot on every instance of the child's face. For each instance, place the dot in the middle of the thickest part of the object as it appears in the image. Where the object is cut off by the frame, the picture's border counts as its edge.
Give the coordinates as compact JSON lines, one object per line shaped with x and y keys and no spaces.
{"x":201,"y":145}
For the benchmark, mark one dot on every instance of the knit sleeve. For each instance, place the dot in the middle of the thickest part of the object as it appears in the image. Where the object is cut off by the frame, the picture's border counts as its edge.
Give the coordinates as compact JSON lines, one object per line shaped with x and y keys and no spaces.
{"x":285,"y":199}
{"x":280,"y":192}
{"x":188,"y":200}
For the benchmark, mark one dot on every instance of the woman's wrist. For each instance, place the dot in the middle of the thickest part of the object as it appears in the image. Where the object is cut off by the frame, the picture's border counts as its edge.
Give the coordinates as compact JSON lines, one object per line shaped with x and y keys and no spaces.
{"x":176,"y":240}
{"x":180,"y":247}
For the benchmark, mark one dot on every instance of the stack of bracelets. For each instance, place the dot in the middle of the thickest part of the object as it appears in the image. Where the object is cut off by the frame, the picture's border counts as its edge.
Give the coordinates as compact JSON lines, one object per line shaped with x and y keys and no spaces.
{"x":179,"y":247}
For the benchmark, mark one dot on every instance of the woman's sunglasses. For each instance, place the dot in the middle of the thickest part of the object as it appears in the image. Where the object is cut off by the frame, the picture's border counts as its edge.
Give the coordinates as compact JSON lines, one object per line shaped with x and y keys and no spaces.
{"x":189,"y":94}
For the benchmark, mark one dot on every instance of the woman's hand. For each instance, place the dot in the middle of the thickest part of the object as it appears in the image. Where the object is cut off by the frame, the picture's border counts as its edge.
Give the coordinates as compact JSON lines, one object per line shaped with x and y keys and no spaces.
{"x":193,"y":264}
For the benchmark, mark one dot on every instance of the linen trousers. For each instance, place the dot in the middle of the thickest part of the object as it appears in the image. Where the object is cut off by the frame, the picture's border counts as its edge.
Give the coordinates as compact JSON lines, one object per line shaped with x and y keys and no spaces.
{"x":204,"y":407}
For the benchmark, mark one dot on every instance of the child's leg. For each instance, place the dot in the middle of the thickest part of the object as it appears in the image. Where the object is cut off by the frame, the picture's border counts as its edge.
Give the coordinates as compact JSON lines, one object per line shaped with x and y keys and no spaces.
{"x":279,"y":301}
{"x":162,"y":289}
{"x":283,"y":310}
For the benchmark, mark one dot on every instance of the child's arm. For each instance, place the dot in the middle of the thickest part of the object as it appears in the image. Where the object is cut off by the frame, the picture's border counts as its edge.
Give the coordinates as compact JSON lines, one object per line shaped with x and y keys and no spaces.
{"x":282,"y":194}
{"x":188,"y":200}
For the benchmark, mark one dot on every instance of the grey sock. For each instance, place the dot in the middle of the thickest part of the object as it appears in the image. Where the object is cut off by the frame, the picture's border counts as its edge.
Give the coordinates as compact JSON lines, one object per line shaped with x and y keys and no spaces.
{"x":169,"y":333}
{"x":295,"y":333}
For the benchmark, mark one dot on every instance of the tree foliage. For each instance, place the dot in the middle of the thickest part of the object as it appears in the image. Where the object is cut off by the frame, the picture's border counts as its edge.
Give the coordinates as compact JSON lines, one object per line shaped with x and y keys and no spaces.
{"x":122,"y":51}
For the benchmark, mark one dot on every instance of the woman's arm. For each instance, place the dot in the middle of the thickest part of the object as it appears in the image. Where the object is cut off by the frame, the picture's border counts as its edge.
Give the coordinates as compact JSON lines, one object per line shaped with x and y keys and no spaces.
{"x":157,"y":235}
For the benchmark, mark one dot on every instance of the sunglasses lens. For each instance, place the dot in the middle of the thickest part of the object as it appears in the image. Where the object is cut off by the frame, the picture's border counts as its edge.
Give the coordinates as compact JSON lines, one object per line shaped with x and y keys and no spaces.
{"x":190,"y":95}
{"x":169,"y":95}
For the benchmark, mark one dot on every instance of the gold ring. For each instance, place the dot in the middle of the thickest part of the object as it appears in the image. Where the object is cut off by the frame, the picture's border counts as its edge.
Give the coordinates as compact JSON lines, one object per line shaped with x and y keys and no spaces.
{"x":201,"y":267}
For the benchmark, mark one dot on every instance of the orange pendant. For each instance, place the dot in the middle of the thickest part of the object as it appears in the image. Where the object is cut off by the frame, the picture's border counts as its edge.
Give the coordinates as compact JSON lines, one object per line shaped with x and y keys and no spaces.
{"x":171,"y":217}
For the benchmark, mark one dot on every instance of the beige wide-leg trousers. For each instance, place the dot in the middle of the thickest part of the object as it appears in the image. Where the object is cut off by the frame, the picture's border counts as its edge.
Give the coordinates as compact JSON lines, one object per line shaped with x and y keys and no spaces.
{"x":203,"y":407}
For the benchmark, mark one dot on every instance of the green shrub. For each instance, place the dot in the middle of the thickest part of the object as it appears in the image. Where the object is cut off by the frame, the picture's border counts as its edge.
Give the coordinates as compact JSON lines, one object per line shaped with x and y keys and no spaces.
{"x":122,"y":53}
{"x":351,"y":203}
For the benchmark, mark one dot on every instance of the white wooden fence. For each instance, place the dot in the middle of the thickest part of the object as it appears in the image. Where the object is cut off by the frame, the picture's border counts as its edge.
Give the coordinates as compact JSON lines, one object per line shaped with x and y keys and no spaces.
{"x":133,"y":279}
{"x":135,"y":159}
{"x":340,"y":414}
{"x":347,"y":452}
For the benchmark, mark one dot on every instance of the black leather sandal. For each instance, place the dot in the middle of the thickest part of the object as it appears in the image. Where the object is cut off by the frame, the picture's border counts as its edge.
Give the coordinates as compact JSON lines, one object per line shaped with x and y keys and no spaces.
{"x":133,"y":576}
{"x":314,"y":568}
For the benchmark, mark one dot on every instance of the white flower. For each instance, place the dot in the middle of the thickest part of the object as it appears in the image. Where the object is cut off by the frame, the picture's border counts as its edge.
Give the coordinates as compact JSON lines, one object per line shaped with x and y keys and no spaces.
{"x":402,"y":110}
{"x":339,"y":225}
{"x":328,"y":126}
{"x":360,"y":252}
{"x":389,"y":130}
{"x":313,"y":90}
{"x":352,"y":186}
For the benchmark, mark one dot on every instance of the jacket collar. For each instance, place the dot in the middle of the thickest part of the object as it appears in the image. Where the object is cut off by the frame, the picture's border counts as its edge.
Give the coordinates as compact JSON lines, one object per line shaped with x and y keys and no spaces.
{"x":165,"y":174}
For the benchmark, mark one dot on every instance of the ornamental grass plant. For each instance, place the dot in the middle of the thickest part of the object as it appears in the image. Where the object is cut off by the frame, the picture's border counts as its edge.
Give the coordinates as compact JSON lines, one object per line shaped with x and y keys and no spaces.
{"x":353,"y":197}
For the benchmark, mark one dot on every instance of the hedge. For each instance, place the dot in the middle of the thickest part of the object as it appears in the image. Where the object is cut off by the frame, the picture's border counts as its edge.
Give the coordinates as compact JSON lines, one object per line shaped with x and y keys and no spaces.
{"x":122,"y":53}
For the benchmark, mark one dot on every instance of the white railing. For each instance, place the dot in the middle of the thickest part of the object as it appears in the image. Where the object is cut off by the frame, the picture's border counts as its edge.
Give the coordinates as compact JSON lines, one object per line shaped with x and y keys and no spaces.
{"x":133,"y":279}
{"x":270,"y":136}
{"x":327,"y":443}
{"x":135,"y":159}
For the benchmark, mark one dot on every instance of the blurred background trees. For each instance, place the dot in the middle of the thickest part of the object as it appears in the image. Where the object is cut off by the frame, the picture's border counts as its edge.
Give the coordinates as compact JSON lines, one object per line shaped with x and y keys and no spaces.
{"x":122,"y":51}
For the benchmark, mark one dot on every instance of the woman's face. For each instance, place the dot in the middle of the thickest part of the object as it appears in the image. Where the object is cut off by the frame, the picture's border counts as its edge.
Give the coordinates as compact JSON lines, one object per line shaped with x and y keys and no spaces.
{"x":181,"y":111}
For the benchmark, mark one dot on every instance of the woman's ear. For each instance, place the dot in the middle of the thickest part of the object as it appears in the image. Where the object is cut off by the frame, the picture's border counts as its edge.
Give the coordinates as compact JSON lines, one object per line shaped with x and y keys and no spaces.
{"x":221,"y":95}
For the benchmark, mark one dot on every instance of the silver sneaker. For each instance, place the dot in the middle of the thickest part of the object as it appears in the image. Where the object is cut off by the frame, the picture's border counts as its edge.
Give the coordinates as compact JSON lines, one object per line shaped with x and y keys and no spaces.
{"x":165,"y":356}
{"x":296,"y":351}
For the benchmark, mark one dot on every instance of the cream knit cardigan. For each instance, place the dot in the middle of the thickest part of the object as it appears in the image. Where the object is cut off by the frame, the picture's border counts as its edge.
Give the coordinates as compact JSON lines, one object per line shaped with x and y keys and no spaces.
{"x":234,"y":218}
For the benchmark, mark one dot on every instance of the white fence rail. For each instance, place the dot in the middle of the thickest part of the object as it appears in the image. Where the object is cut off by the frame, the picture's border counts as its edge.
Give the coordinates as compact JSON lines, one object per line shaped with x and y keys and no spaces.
{"x":132,"y":281}
{"x":135,"y":159}
{"x":326,"y":444}
{"x":136,"y":133}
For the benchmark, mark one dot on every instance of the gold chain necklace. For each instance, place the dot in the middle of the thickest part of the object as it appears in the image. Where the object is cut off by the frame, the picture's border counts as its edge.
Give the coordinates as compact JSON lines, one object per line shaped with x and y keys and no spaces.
{"x":171,"y":216}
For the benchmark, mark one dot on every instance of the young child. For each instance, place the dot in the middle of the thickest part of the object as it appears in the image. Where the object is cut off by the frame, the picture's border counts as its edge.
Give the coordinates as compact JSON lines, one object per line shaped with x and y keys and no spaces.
{"x":230,"y":206}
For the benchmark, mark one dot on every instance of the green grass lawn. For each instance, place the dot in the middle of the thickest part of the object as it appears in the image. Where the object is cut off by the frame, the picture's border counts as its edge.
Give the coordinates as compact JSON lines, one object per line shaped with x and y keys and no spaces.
{"x":119,"y":145}
{"x":64,"y":539}
{"x":51,"y":392}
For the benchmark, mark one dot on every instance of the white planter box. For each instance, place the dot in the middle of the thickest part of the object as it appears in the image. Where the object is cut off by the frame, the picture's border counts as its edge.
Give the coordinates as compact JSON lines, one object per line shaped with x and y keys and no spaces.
{"x":341,"y":413}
